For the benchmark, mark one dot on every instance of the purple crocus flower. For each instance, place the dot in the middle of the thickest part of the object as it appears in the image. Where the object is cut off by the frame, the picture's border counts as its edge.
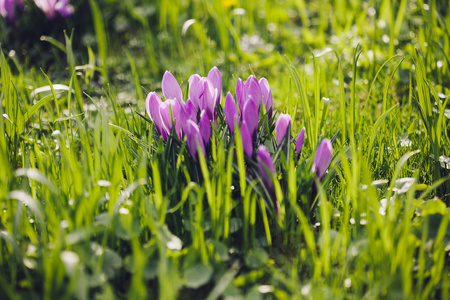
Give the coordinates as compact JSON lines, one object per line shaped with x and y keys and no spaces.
{"x":281,"y":126}
{"x":254,"y":90}
{"x":251,"y":117}
{"x":51,"y":7}
{"x":248,"y":90}
{"x":174,"y":102}
{"x":203,"y":94}
{"x":7,"y":9}
{"x":206,"y":92}
{"x":231,"y":112}
{"x":299,"y":142}
{"x":247,"y":141}
{"x":205,"y":128}
{"x":267,"y":95}
{"x":159,"y":113}
{"x":194,"y":140}
{"x":322,"y":158}
{"x":267,"y":170}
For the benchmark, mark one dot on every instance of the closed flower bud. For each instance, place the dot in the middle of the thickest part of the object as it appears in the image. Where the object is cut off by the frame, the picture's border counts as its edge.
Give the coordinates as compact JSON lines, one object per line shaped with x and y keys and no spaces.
{"x":281,"y":127}
{"x":231,"y":113}
{"x":299,"y":142}
{"x":322,"y":158}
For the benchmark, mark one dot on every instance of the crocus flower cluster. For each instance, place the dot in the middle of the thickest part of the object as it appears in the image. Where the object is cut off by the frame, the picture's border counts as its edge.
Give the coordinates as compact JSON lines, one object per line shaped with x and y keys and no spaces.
{"x":193,"y":120}
{"x":51,"y":8}
{"x":204,"y":94}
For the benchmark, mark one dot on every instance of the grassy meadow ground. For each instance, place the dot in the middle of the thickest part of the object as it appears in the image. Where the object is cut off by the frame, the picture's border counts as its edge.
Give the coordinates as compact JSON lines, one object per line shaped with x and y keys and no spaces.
{"x":95,"y":205}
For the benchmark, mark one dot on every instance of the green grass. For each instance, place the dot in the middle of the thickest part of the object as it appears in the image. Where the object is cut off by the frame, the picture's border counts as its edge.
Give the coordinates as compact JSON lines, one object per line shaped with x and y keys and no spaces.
{"x":93,"y":204}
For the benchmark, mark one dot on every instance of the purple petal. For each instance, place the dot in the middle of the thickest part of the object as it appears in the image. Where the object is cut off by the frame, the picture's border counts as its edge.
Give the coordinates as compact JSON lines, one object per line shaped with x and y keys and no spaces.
{"x":264,"y":159}
{"x":216,"y":80}
{"x":7,"y":9}
{"x":170,"y":87}
{"x":322,"y":158}
{"x":299,"y":142}
{"x":240,"y":94}
{"x":281,"y":126}
{"x":152,"y":99}
{"x":253,"y":90}
{"x":208,"y":98}
{"x":247,"y":142}
{"x":231,"y":112}
{"x":191,"y":111}
{"x":152,"y":104}
{"x":195,"y":89}
{"x":164,"y":110}
{"x":176,"y":106}
{"x":48,"y":7}
{"x":194,"y":140}
{"x":205,"y":127}
{"x":250,"y":115}
{"x":63,"y":8}
{"x":176,"y":114}
{"x":267,"y":95}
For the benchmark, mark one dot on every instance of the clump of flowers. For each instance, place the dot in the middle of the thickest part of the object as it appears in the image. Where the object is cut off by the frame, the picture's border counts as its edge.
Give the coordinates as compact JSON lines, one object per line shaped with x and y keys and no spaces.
{"x":204,"y":94}
{"x":193,"y":120}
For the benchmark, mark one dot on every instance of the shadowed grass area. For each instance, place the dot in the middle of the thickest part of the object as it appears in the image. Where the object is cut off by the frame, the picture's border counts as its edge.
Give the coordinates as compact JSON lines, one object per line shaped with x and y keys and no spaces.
{"x":94,"y":203}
